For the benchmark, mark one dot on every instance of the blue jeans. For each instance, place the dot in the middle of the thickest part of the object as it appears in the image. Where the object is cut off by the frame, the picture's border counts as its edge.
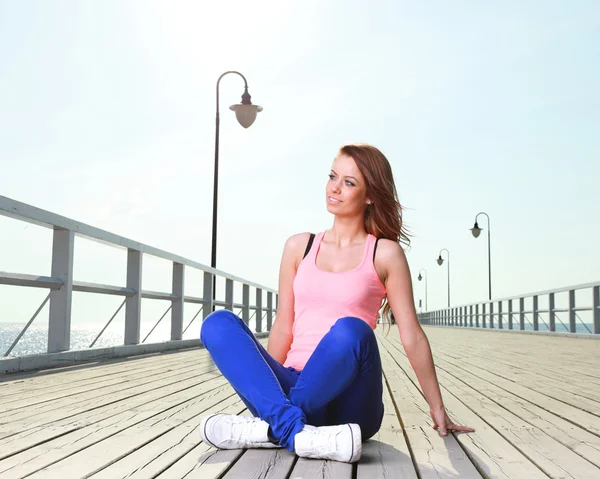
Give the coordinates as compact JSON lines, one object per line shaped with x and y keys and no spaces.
{"x":341,"y":382}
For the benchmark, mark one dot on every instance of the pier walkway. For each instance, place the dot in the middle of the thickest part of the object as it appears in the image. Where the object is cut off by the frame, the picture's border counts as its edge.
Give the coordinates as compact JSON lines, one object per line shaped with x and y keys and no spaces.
{"x":534,"y":401}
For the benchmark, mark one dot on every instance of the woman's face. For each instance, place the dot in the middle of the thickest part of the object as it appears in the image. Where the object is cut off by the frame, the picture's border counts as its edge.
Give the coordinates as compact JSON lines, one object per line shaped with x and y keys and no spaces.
{"x":346,"y":192}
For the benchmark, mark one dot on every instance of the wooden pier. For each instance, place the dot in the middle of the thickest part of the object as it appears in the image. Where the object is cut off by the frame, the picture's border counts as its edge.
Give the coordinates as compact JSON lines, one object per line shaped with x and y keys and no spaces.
{"x":534,"y":401}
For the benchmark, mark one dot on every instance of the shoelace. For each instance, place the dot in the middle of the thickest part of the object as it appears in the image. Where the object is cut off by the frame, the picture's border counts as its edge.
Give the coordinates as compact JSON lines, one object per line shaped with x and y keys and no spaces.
{"x":244,"y":429}
{"x":323,"y":441}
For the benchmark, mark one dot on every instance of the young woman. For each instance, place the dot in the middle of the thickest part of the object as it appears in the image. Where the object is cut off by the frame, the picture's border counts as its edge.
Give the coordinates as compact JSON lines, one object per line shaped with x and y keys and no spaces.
{"x":317,"y":389}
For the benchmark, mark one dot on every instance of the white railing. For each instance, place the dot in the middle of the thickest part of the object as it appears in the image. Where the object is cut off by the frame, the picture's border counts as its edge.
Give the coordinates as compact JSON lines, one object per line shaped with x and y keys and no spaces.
{"x":62,"y":285}
{"x":554,"y":311}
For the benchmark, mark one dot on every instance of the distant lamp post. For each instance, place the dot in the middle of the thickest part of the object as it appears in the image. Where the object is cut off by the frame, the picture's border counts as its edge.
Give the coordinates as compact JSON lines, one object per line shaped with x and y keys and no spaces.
{"x":440,"y":261}
{"x":420,"y":278}
{"x":476,"y":231}
{"x":245,"y":113}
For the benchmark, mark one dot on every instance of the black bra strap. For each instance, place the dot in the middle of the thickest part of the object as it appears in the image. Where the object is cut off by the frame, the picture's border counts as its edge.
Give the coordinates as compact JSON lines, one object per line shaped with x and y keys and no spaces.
{"x":310,"y":242}
{"x":375,"y":248}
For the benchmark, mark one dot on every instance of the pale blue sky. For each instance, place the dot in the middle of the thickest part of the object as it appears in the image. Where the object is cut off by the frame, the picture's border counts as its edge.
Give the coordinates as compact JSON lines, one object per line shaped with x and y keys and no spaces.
{"x":107,"y":117}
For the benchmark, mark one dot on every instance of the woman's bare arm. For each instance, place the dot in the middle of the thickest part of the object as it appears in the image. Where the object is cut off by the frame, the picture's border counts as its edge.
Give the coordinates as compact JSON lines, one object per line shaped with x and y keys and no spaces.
{"x":280,"y":337}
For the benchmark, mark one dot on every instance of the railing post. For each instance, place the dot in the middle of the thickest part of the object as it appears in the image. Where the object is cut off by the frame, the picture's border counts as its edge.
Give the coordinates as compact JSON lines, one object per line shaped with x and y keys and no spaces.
{"x":476,"y":315}
{"x":471,"y":315}
{"x":596,"y":309}
{"x":258,"y":310}
{"x":246,"y":303}
{"x":521,"y":314}
{"x":510,"y":311}
{"x":207,"y":295}
{"x":269,"y":310}
{"x":551,"y":313}
{"x":59,"y":327}
{"x":133,"y":305}
{"x":500,"y":321}
{"x":536,"y":322}
{"x":177,"y":309}
{"x":483,"y":319}
{"x":229,"y":294}
{"x":572,"y":325}
{"x":491,"y":315}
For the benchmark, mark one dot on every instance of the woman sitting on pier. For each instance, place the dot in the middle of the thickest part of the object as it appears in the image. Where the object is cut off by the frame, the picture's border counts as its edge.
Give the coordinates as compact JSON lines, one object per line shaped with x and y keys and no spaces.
{"x":317,"y":389}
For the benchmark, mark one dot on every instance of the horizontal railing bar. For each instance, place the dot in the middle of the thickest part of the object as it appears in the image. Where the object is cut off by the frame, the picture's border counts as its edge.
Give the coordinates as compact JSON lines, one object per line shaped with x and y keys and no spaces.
{"x":30,"y":280}
{"x":195,"y":300}
{"x":31,"y":214}
{"x":102,"y":289}
{"x":159,"y":295}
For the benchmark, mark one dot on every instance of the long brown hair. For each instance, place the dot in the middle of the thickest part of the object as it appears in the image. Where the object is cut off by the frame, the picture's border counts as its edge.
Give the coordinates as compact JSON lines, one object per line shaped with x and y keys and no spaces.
{"x":383,"y":216}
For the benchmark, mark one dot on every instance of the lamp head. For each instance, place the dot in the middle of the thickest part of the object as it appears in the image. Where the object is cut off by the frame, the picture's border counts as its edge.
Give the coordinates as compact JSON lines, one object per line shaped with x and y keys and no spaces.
{"x":476,"y":230}
{"x":246,"y":112}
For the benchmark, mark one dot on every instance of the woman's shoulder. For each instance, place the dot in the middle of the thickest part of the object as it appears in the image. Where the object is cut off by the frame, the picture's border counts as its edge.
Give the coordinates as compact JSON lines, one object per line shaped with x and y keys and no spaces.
{"x":298,"y":240}
{"x":295,"y":246}
{"x":388,"y":251}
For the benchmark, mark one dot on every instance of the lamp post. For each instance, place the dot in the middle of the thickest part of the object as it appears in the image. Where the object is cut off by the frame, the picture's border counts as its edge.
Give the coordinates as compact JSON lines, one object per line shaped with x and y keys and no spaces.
{"x":476,"y":230}
{"x":245,"y":113}
{"x":440,"y":261}
{"x":420,"y":278}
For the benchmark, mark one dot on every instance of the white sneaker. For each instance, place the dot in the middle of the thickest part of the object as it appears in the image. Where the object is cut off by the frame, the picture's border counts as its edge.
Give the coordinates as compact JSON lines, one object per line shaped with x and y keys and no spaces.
{"x":229,"y":431}
{"x":338,"y":443}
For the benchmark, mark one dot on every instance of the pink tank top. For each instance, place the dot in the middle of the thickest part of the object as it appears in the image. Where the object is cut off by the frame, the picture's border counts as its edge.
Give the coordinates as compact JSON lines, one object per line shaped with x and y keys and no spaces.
{"x":322,"y":297}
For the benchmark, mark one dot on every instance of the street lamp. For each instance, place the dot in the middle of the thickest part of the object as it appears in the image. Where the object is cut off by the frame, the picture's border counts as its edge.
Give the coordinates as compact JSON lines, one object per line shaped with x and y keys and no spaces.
{"x":476,"y":230}
{"x":245,"y":113}
{"x":420,"y":278}
{"x":440,"y":261}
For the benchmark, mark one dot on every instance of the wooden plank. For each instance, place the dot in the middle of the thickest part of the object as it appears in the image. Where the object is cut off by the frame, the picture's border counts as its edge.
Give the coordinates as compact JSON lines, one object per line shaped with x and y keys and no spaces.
{"x":262,"y":464}
{"x":492,"y":454}
{"x":31,"y":436}
{"x":435,"y":456}
{"x":202,"y":462}
{"x":577,"y":439}
{"x":318,"y":469}
{"x":61,"y":401}
{"x":93,"y":451}
{"x":581,"y":418}
{"x":161,"y":453}
{"x":387,"y":455}
{"x":36,"y":391}
{"x":39,"y":391}
{"x":543,"y":375}
{"x":130,"y":423}
{"x":554,"y":458}
{"x":569,"y":353}
{"x":92,"y":369}
{"x":525,"y":361}
{"x":18,"y":421}
{"x":547,"y":453}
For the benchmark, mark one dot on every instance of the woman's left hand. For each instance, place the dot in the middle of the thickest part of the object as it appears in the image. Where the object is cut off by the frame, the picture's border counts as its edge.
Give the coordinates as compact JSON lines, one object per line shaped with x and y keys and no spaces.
{"x":445,"y":424}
